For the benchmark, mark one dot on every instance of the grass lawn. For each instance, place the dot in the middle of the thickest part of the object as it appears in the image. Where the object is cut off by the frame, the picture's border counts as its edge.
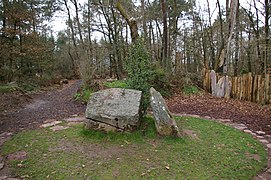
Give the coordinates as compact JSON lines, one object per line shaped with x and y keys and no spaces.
{"x":215,"y":151}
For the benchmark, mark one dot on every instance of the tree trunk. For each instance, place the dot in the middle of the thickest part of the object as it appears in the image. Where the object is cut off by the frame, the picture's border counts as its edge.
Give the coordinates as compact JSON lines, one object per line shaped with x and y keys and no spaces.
{"x":78,"y":21}
{"x":220,"y":53}
{"x":174,"y":37}
{"x":144,"y":22}
{"x":266,"y":30}
{"x":165,"y":35}
{"x":72,"y":36}
{"x":236,"y":54}
{"x":130,"y":21}
{"x":211,"y":36}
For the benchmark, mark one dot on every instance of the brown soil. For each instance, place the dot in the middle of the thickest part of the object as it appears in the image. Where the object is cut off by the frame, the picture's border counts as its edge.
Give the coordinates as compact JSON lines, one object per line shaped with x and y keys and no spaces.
{"x":255,"y":116}
{"x":18,"y":112}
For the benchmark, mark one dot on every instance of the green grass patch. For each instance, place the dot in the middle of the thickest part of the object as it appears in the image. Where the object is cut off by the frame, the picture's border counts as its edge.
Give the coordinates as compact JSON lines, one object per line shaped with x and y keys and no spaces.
{"x":116,"y":84}
{"x":218,"y":152}
{"x":191,"y":90}
{"x":7,"y":88}
{"x":83,"y":95}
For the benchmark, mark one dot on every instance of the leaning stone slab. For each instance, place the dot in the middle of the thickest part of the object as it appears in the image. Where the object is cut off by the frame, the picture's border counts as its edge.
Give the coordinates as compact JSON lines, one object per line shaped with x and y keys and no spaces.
{"x":165,"y":124}
{"x":114,"y":109}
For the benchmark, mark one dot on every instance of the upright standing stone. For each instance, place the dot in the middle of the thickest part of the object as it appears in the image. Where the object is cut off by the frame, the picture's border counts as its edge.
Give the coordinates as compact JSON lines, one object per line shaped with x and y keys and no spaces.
{"x":114,"y":109}
{"x":165,"y":124}
{"x":213,"y":82}
{"x":220,"y":87}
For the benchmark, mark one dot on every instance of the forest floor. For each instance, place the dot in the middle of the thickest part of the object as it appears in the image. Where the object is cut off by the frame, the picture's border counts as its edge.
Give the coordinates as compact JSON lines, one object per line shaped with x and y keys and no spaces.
{"x":256,"y":117}
{"x":21,"y":112}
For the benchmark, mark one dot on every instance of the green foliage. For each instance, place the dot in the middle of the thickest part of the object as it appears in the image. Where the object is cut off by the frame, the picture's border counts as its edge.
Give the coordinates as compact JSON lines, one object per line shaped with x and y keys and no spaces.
{"x":218,"y":152}
{"x":83,"y":95}
{"x":116,"y":84}
{"x":140,"y":73}
{"x":160,"y":81}
{"x":7,"y":88}
{"x":29,"y":87}
{"x":191,"y":90}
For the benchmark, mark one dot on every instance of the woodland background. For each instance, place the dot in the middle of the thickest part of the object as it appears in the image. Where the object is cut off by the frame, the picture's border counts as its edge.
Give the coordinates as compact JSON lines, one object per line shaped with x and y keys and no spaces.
{"x":181,"y":40}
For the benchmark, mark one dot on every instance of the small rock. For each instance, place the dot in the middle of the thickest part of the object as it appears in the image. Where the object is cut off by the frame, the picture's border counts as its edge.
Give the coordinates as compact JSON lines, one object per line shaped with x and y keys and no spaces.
{"x":2,"y":165}
{"x":248,"y":131}
{"x":264,"y":141}
{"x":224,"y":120}
{"x":9,"y":134}
{"x":74,"y":123}
{"x":75,"y":119}
{"x":19,"y":165}
{"x":58,"y":128}
{"x":269,"y":170}
{"x":51,"y":124}
{"x":167,"y":167}
{"x":269,"y":146}
{"x":261,"y":133}
{"x":143,"y":174}
{"x":260,"y":137}
{"x":195,"y":116}
{"x":241,"y":127}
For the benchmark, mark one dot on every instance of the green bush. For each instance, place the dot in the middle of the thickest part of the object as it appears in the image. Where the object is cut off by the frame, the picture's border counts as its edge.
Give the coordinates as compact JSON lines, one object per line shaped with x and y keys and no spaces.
{"x":7,"y":88}
{"x":139,"y":70}
{"x":83,"y":95}
{"x":191,"y":90}
{"x":116,"y":84}
{"x":160,"y":81}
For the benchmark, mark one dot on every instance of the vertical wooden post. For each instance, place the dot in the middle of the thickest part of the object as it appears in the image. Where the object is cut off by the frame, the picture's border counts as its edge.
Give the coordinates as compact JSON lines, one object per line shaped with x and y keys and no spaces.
{"x":250,"y":86}
{"x":262,"y":95}
{"x":254,"y":91}
{"x":243,"y":87}
{"x":267,"y":81}
{"x":259,"y":88}
{"x":240,"y":87}
{"x":234,"y":87}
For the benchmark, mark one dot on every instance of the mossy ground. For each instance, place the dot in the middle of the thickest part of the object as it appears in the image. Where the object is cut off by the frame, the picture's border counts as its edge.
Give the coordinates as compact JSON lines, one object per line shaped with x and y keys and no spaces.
{"x":218,"y":152}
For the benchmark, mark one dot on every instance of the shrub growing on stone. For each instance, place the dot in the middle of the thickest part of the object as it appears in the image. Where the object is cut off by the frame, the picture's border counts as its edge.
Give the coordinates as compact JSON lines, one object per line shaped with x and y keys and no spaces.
{"x":140,"y":73}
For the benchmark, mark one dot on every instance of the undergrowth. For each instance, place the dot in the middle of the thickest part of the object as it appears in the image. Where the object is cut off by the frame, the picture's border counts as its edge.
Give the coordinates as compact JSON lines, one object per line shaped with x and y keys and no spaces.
{"x":191,"y":90}
{"x":117,"y":84}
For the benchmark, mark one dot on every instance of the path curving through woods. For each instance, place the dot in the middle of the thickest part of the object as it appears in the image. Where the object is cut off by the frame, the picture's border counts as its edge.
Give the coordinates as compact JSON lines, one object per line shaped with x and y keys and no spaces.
{"x":55,"y":104}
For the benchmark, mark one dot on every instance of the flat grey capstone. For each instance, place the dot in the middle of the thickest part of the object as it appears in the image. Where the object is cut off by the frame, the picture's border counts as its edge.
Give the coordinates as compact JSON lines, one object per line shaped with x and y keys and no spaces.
{"x":114,"y":109}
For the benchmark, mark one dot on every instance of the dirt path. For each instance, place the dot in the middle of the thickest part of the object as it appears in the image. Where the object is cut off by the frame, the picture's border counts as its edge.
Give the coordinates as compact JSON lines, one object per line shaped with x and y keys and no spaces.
{"x":54,"y":104}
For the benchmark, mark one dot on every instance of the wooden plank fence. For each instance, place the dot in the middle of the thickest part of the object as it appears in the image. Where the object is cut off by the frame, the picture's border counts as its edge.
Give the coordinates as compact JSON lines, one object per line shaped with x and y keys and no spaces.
{"x":255,"y":88}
